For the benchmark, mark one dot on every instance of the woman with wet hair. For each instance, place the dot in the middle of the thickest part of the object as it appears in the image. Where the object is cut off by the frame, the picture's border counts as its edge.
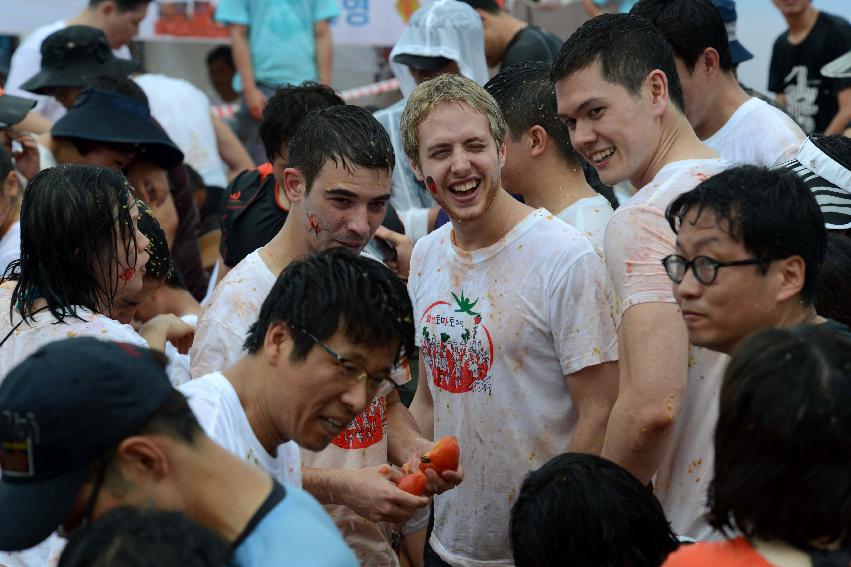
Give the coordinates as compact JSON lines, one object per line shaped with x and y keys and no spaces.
{"x":81,"y":254}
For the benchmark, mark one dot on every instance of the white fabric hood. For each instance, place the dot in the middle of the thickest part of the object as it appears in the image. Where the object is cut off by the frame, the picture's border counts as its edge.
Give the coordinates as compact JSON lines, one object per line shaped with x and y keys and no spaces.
{"x":444,"y":28}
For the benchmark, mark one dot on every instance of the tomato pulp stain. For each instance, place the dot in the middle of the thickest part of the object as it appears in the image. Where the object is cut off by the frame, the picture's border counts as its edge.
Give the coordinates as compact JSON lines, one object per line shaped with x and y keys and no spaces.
{"x":127,"y":274}
{"x":431,"y":185}
{"x":314,"y":224}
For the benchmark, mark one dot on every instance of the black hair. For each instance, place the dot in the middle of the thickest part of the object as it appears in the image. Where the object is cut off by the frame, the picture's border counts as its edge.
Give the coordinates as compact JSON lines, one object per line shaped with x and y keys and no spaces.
{"x":337,"y":290}
{"x":222,"y":52}
{"x":121,"y":85}
{"x":783,"y":438}
{"x":174,"y":417}
{"x":159,"y":265}
{"x":833,"y":294}
{"x":771,"y":212}
{"x":6,"y":165}
{"x":836,"y":146}
{"x":347,"y":135}
{"x":122,"y":5}
{"x":527,"y":98}
{"x":581,"y":509}
{"x":628,"y":48}
{"x":145,"y":537}
{"x":690,"y":26}
{"x":287,"y":108}
{"x":489,"y":6}
{"x":69,"y":216}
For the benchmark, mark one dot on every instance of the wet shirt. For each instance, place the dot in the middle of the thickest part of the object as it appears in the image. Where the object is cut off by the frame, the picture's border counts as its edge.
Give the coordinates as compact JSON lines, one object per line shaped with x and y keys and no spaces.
{"x":531,"y":44}
{"x":497,"y":339}
{"x":590,"y":217}
{"x":637,"y":238}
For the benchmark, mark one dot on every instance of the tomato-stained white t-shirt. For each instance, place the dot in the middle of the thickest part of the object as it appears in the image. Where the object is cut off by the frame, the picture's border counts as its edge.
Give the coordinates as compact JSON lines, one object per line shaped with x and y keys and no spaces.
{"x":499,"y":328}
{"x":637,"y":238}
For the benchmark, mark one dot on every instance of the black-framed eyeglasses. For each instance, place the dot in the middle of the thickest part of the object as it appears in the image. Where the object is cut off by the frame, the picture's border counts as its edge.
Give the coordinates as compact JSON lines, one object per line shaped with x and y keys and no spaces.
{"x":704,"y":268}
{"x":91,"y":502}
{"x":376,"y":386}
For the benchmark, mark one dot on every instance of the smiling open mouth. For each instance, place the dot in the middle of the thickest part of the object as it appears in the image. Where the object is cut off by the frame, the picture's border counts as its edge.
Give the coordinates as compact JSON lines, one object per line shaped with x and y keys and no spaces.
{"x":598,"y":157}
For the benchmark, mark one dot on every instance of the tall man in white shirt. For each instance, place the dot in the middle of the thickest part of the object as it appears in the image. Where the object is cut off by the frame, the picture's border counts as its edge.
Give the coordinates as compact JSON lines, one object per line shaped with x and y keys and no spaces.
{"x":540,"y":163}
{"x":739,"y":127}
{"x":338,"y":185}
{"x":619,"y":95}
{"x":512,"y":319}
{"x":119,"y":20}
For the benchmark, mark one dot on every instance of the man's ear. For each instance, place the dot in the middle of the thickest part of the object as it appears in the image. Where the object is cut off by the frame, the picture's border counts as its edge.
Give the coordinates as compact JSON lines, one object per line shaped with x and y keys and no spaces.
{"x":294,"y":184}
{"x":11,"y":187}
{"x":141,"y":457}
{"x":656,"y":84}
{"x":107,"y":8}
{"x":709,"y":61}
{"x":275,"y":342}
{"x":415,"y":167}
{"x":538,"y":140}
{"x":792,"y":272}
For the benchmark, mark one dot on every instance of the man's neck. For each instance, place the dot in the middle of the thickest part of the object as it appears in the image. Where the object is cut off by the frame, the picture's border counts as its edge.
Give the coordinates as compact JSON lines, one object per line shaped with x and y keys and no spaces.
{"x":793,"y":312}
{"x":222,"y":492}
{"x":800,"y":24}
{"x":247,"y":377}
{"x":286,"y":246}
{"x":677,"y":142}
{"x":555,"y":185}
{"x":87,"y":17}
{"x":729,"y":96}
{"x":503,"y":215}
{"x":509,"y":27}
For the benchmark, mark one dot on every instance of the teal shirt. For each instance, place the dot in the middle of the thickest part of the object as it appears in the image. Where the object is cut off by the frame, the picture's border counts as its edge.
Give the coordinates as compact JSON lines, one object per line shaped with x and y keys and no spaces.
{"x":625,"y":5}
{"x":280,"y":35}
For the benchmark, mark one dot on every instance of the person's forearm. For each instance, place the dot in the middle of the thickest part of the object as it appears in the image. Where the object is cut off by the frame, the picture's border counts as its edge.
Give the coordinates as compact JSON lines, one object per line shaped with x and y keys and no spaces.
{"x":242,"y":56}
{"x":324,"y":52}
{"x":329,"y":486}
{"x":638,"y":440}
{"x":589,"y":433}
{"x":34,"y":122}
{"x":232,"y":151}
{"x":840,"y":122}
{"x":404,"y":437}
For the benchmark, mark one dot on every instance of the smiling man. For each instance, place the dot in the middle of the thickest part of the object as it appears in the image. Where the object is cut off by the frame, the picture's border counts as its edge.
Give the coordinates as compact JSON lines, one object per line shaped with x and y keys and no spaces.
{"x":750,"y":245}
{"x":618,"y":92}
{"x":512,"y":319}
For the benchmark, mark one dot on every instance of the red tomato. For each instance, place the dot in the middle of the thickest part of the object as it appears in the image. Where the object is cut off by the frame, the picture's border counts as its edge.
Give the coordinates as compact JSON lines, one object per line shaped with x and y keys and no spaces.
{"x":413,"y":483}
{"x":444,"y":455}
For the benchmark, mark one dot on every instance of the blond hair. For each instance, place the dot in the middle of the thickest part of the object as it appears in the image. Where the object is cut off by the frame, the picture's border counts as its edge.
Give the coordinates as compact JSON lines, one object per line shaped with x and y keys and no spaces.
{"x":447,"y":88}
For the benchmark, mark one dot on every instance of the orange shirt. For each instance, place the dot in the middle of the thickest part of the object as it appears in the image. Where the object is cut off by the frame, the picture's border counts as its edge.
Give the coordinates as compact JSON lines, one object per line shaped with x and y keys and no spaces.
{"x":733,"y":553}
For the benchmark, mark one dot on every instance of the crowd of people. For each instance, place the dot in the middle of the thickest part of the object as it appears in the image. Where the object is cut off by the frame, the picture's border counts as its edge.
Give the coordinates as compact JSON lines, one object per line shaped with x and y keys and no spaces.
{"x":616,"y":275}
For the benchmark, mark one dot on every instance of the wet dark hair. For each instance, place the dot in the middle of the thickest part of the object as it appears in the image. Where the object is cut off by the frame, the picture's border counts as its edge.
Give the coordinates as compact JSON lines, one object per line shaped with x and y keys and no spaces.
{"x":489,"y":6}
{"x":690,"y":26}
{"x":159,"y":266}
{"x":582,"y":509}
{"x":145,"y":537}
{"x":527,"y":98}
{"x":337,"y":290}
{"x":123,"y":5}
{"x":783,"y":438}
{"x":347,"y":135}
{"x":68,"y":219}
{"x":833,"y":292}
{"x":222,"y":52}
{"x":836,"y":146}
{"x":121,"y":85}
{"x":287,"y":108}
{"x":174,"y":418}
{"x":628,"y":49}
{"x":771,"y":212}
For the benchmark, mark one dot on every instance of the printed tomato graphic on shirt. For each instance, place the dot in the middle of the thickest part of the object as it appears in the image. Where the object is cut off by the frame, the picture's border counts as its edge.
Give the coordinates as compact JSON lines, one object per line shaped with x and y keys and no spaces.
{"x":364,"y":430}
{"x":457,"y":346}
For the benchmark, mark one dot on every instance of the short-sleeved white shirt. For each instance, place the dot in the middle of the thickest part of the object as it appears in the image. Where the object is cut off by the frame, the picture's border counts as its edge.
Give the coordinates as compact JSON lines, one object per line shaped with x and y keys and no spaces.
{"x":589,"y":216}
{"x":757,"y":134}
{"x":222,"y":329}
{"x":216,"y":405}
{"x":499,"y":328}
{"x":637,"y":238}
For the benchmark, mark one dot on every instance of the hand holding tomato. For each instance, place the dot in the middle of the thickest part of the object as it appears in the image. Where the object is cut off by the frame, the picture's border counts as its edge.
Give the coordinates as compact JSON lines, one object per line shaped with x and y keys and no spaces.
{"x":441,"y":465}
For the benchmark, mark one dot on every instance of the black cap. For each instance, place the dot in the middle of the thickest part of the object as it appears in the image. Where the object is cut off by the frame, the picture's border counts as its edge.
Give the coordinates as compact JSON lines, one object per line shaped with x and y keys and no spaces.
{"x":422,"y":62}
{"x":103,"y":116}
{"x":13,"y":109}
{"x":738,"y":52}
{"x":60,"y":409}
{"x":74,"y":57}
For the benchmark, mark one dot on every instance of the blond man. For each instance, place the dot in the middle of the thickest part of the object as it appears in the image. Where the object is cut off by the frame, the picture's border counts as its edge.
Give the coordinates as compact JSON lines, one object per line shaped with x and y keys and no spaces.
{"x":512,"y":319}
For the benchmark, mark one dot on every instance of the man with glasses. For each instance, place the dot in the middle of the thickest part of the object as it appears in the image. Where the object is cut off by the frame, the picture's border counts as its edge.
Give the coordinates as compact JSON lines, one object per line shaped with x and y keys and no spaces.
{"x":337,"y":182}
{"x":750,"y":244}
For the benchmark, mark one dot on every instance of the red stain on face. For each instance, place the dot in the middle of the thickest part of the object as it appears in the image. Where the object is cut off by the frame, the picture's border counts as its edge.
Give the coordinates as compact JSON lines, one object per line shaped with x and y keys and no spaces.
{"x":431,"y":185}
{"x":127,"y":274}
{"x":313,"y":224}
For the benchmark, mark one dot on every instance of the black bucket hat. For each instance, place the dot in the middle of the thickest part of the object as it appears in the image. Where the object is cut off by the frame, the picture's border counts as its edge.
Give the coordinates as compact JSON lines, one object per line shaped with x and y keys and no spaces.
{"x":422,"y":62}
{"x":74,"y":57}
{"x":103,"y":116}
{"x":13,"y":109}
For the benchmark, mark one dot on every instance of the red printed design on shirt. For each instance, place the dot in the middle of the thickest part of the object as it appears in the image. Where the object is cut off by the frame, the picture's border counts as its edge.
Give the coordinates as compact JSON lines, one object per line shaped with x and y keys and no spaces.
{"x":364,"y":430}
{"x":457,"y":347}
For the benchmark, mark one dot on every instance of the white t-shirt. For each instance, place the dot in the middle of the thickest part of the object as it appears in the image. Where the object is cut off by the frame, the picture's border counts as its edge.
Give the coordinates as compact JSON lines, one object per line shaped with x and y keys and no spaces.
{"x":757,"y":134}
{"x":222,"y":329}
{"x":183,"y":111}
{"x":216,"y":405}
{"x":497,"y":339}
{"x":637,"y":238}
{"x":26,"y":62}
{"x":590,"y":217}
{"x":10,"y":247}
{"x":29,"y":336}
